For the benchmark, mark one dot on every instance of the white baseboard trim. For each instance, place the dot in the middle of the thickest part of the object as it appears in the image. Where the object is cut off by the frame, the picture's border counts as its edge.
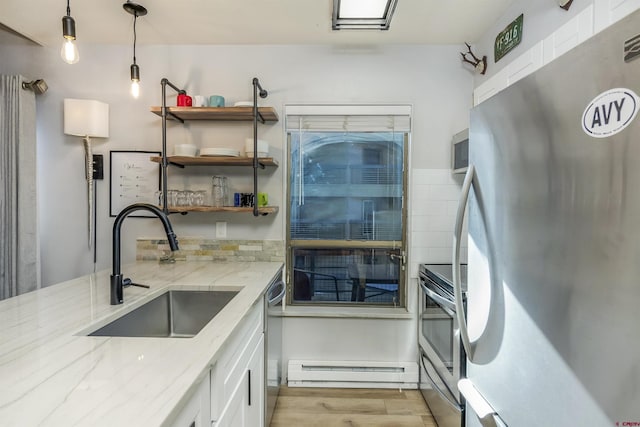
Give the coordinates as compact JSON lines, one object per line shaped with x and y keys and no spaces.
{"x":333,"y":384}
{"x":352,"y":374}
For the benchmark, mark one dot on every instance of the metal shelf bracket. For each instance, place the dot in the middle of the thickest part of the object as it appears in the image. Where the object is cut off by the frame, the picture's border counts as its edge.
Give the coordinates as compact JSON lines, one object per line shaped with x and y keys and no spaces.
{"x":257,"y":90}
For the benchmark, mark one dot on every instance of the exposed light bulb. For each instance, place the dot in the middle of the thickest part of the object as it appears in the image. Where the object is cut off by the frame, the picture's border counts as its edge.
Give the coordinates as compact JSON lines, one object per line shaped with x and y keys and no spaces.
{"x":135,"y":80}
{"x":69,"y":51}
{"x":135,"y":88}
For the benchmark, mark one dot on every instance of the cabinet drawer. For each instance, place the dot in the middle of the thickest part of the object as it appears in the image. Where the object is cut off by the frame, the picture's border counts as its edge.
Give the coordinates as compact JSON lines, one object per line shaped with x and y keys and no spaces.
{"x":230,"y":368}
{"x":196,"y":411}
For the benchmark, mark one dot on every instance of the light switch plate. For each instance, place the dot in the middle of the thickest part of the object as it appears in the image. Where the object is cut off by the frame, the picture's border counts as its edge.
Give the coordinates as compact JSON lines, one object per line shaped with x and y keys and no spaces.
{"x":98,"y":166}
{"x":221,"y":229}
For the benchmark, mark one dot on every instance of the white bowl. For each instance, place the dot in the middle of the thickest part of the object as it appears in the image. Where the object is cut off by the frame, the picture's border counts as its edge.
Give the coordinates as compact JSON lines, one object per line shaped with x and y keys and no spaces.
{"x":263,"y":146}
{"x":186,"y":150}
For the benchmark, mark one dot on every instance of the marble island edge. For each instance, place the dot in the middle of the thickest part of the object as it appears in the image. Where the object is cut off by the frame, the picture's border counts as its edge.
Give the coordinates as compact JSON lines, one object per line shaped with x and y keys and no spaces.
{"x":51,"y":373}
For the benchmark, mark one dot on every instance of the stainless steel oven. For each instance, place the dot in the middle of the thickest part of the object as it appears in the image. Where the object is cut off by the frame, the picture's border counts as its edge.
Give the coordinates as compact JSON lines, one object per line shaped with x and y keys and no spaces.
{"x":442,"y":356}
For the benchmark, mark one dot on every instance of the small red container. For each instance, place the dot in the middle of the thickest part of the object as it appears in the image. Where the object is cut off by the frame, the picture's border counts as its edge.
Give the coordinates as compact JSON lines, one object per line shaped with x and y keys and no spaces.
{"x":184,"y":100}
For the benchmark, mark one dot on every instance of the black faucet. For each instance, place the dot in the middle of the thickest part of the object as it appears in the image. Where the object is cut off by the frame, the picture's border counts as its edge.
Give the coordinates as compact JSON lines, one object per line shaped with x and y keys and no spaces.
{"x":117,"y":282}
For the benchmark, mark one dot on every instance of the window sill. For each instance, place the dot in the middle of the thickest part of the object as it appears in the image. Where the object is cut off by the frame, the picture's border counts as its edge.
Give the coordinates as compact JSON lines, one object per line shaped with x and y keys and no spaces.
{"x":351,"y":312}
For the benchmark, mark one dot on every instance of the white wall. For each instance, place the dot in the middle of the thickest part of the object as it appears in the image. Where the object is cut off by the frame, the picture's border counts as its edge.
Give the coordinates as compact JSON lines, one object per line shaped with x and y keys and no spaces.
{"x":431,"y":78}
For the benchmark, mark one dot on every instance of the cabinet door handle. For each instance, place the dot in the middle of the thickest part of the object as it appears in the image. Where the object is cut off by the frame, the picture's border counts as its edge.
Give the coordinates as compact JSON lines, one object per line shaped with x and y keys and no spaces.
{"x":249,"y":386}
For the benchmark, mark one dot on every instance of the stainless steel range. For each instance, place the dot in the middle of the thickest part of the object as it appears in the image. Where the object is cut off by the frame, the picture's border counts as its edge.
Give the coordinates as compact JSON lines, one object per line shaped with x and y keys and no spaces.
{"x":442,"y":356}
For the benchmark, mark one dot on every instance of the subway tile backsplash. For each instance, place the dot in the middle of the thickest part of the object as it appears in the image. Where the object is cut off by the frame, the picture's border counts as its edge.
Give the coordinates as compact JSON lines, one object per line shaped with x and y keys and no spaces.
{"x":433,"y":205}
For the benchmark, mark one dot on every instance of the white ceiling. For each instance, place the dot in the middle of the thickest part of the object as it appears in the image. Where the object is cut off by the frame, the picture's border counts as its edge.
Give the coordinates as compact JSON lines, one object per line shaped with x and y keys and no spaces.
{"x":247,"y":22}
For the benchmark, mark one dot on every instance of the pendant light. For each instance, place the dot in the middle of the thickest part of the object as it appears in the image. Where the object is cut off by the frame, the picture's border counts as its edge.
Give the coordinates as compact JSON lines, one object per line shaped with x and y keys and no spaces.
{"x":136,"y":10}
{"x":69,"y":51}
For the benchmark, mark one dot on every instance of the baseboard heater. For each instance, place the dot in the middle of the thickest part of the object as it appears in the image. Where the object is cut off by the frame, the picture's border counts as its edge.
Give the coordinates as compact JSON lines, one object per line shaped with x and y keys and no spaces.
{"x":352,"y":374}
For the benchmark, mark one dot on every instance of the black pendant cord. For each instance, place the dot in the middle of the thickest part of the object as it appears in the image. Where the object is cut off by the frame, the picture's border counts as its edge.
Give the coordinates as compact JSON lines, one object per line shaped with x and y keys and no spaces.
{"x":135,"y":37}
{"x":68,"y":9}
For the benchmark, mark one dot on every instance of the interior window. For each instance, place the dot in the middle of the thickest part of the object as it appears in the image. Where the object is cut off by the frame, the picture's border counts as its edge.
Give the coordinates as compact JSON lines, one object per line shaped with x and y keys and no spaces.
{"x":346,"y":209}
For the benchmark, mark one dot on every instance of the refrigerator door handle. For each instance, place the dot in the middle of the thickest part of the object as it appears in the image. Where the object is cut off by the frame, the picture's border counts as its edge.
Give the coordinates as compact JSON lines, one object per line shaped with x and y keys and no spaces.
{"x":487,"y":416}
{"x":469,"y":180}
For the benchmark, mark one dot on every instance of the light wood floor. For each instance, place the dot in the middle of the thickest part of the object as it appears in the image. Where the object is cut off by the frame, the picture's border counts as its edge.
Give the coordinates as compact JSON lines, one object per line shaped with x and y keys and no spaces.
{"x":338,"y":407}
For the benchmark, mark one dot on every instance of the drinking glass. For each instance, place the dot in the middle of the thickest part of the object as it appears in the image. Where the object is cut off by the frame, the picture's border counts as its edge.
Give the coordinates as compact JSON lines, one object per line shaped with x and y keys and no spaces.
{"x":219,"y":191}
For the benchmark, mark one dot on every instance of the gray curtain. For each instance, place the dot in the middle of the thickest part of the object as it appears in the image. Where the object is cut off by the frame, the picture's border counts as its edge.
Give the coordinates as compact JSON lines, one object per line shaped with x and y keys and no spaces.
{"x":19,"y":249}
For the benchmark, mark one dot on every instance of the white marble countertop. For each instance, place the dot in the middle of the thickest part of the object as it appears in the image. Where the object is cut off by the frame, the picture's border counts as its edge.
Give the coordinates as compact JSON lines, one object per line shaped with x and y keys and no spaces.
{"x":51,"y":374}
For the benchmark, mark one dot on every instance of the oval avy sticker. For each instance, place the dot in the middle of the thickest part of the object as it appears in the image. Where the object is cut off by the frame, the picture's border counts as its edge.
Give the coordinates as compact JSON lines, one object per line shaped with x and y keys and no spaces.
{"x":610,"y":112}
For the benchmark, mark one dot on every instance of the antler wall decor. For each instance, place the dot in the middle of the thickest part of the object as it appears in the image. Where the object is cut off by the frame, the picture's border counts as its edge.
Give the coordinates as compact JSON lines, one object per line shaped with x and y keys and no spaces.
{"x":480,"y":65}
{"x":565,"y":4}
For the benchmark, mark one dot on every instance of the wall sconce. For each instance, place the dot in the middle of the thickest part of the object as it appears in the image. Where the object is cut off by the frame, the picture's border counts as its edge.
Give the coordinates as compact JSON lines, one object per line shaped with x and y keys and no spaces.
{"x":38,"y":86}
{"x":136,"y":10}
{"x":362,"y":15}
{"x":87,"y":118}
{"x":69,"y":51}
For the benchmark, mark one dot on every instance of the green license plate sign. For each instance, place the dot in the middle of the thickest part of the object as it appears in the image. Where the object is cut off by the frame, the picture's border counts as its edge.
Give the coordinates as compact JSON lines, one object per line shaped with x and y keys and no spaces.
{"x":509,"y":38}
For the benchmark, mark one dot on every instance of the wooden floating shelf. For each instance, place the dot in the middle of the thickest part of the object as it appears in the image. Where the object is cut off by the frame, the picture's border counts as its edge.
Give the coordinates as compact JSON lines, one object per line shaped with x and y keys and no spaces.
{"x":215,"y":161}
{"x":241,"y":114}
{"x":265,"y":210}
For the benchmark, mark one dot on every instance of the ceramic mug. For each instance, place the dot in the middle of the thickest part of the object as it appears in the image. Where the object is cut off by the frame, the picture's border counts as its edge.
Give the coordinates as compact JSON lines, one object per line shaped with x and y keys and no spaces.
{"x":216,"y":101}
{"x":200,"y":101}
{"x":263,"y":199}
{"x":184,"y":100}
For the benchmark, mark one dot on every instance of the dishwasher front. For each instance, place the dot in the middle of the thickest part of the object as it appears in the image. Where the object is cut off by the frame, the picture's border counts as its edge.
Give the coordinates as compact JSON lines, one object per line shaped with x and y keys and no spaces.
{"x":273,"y":342}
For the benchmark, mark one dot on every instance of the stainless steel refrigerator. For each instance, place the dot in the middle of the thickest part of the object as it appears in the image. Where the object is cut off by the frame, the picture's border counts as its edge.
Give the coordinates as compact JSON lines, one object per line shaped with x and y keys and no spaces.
{"x":553,"y":303}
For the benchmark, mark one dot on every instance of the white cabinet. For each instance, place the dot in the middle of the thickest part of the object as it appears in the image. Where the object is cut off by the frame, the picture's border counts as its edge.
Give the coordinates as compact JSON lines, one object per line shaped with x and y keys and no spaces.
{"x":525,"y":64}
{"x":493,"y":85}
{"x":256,"y":387}
{"x":568,"y":36}
{"x":196,"y":412}
{"x":237,"y":379}
{"x":522,"y":66}
{"x":245,"y":407}
{"x":232,"y":394}
{"x":609,"y":11}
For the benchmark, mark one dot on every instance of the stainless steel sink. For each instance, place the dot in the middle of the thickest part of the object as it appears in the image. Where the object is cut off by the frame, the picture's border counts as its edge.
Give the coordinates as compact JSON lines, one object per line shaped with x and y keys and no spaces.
{"x":174,"y":314}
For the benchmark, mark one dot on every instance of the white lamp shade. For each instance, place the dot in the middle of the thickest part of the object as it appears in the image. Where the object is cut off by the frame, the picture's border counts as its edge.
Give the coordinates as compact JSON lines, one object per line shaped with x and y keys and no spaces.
{"x":86,"y":117}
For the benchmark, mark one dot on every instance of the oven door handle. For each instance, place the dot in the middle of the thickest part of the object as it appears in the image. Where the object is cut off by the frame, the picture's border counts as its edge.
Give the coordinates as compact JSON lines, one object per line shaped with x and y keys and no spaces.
{"x":469,"y":180}
{"x":449,"y":399}
{"x":448,"y":306}
{"x":275,"y":300}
